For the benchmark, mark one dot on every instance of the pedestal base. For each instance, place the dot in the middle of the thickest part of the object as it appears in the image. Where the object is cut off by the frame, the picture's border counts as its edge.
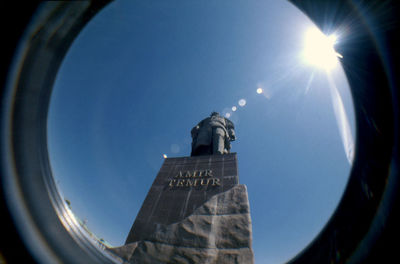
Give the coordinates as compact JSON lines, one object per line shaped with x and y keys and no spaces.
{"x":195,"y":212}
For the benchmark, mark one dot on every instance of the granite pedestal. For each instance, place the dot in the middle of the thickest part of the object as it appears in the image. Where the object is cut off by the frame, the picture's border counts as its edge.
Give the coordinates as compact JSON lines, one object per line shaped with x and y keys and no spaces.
{"x":195,"y":212}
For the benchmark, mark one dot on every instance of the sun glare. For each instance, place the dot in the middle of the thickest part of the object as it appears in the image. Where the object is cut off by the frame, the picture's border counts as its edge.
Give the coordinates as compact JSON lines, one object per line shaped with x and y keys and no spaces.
{"x":319,"y":49}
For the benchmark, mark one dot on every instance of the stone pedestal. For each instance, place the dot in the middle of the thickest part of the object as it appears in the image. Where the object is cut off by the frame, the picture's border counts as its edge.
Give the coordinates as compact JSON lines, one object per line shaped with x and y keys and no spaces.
{"x":195,"y":212}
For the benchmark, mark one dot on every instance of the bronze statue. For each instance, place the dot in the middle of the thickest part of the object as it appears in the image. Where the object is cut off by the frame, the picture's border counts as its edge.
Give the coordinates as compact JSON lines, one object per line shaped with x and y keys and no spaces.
{"x":212,"y":135}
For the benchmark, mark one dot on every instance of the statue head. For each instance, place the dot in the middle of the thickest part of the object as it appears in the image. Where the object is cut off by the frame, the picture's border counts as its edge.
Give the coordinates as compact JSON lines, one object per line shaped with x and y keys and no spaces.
{"x":214,"y":114}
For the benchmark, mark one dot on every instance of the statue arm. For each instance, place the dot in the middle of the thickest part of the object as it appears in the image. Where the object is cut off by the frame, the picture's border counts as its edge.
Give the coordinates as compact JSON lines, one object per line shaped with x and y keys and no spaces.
{"x":231,"y":130}
{"x":232,"y":135}
{"x":195,"y":131}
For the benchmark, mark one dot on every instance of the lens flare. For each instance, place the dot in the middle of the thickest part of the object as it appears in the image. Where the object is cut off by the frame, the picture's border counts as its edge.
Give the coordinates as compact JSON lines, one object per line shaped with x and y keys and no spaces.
{"x":242,"y":102}
{"x":342,"y":121}
{"x":319,"y":49}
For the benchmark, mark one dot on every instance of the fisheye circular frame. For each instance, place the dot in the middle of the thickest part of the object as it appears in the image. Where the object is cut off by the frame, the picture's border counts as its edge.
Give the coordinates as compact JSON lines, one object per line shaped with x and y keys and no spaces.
{"x":41,"y":217}
{"x":44,"y":222}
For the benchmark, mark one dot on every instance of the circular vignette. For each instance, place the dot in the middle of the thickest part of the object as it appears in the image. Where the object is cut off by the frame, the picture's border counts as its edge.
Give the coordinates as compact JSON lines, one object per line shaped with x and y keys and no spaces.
{"x":39,"y":215}
{"x":357,"y":232}
{"x":364,"y":222}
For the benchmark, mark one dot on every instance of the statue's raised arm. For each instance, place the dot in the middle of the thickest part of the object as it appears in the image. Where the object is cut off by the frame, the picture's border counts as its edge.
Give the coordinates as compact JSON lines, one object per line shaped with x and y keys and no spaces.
{"x":212,"y":135}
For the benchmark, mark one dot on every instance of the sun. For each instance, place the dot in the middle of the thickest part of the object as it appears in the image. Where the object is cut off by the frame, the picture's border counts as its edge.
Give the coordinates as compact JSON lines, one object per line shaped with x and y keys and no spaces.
{"x":319,"y":49}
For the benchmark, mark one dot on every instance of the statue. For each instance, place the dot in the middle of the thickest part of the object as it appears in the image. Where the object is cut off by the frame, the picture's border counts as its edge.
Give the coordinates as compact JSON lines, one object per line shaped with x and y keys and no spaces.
{"x":212,"y":135}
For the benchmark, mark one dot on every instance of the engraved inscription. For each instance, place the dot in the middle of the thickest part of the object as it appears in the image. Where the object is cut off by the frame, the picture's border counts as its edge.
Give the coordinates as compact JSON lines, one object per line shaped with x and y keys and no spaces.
{"x":194,"y":174}
{"x":194,"y":178}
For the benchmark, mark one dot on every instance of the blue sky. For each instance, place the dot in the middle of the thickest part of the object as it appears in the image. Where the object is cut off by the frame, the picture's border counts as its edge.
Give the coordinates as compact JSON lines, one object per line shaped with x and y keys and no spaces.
{"x":142,"y":74}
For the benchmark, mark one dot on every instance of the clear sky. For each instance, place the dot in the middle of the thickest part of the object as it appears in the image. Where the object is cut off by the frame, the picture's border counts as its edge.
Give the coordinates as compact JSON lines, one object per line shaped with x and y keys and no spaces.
{"x":143,"y":73}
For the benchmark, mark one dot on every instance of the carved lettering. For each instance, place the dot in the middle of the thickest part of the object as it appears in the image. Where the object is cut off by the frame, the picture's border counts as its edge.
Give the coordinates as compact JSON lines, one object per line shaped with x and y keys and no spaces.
{"x":194,"y":178}
{"x":216,"y":181}
{"x":180,"y":183}
{"x":171,"y":183}
{"x":189,"y":182}
{"x":204,"y":182}
{"x":194,"y":174}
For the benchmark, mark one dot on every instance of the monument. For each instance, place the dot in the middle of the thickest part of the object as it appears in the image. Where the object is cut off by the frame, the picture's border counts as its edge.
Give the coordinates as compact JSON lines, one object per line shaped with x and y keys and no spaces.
{"x":212,"y":135}
{"x":195,"y":211}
